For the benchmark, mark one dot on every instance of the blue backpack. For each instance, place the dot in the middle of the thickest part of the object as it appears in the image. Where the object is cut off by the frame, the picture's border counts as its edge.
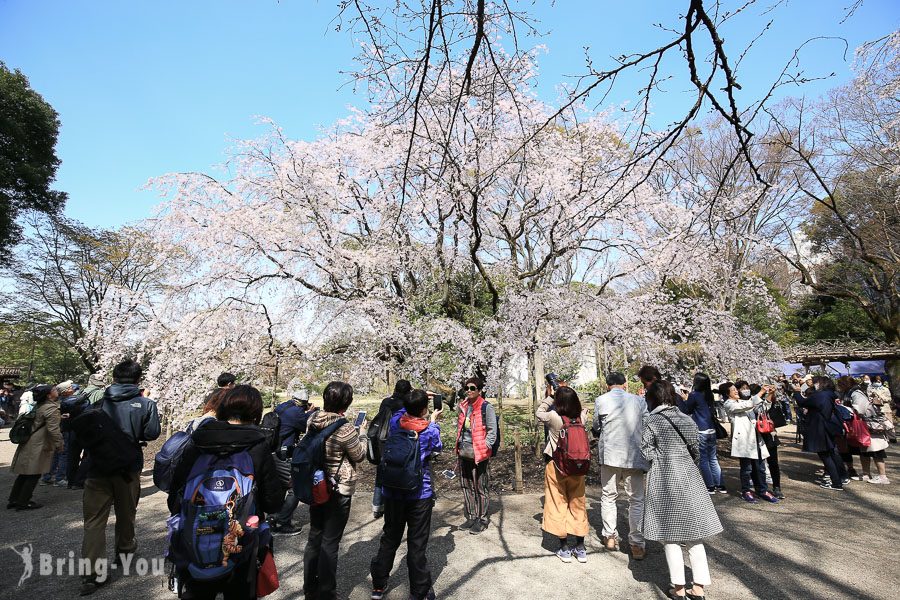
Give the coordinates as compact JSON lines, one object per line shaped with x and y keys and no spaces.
{"x":312,"y":485}
{"x":401,"y":462}
{"x":169,"y":456}
{"x":219,"y":498}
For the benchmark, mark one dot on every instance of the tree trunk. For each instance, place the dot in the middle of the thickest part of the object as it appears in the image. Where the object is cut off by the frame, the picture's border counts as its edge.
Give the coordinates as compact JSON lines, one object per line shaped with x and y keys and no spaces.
{"x":892,"y":368}
{"x":539,"y":380}
{"x":539,"y":384}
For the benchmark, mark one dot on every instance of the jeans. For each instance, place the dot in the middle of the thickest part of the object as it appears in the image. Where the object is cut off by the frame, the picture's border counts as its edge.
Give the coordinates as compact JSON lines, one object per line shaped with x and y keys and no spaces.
{"x":377,"y":500}
{"x":634,"y":487}
{"x":59,"y":465}
{"x":414,"y":516}
{"x":326,"y":528}
{"x":709,"y":461}
{"x":751,"y":469}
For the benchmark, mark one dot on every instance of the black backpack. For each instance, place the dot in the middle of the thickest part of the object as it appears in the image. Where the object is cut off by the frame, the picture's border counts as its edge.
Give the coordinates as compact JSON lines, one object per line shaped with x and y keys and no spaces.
{"x":495,"y":447}
{"x":378,"y":434}
{"x":311,"y":483}
{"x":401,"y":462}
{"x":271,"y":428}
{"x":111,"y":451}
{"x":24,"y":428}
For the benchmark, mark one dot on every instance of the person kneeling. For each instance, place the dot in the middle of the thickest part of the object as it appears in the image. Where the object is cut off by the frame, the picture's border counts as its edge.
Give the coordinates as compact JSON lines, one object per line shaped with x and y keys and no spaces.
{"x":408,"y":493}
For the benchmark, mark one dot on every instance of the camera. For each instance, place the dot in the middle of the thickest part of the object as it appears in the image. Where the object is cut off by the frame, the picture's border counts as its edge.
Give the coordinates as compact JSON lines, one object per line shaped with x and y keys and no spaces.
{"x":552,"y":380}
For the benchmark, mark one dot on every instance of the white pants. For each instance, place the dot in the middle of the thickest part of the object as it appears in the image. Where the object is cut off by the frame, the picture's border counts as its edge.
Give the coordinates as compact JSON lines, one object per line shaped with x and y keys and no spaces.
{"x":634,"y":487}
{"x":697,"y":558}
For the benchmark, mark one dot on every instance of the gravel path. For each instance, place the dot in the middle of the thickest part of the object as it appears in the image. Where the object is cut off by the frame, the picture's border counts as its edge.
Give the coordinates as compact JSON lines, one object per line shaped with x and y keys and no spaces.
{"x":816,"y":544}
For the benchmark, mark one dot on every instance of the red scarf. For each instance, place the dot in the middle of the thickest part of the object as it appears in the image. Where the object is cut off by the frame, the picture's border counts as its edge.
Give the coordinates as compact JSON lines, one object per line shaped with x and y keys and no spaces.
{"x":417,"y":424}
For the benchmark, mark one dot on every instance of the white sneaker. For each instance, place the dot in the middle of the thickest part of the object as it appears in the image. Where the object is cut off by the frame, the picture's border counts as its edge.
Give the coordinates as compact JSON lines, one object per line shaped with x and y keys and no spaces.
{"x":879,"y":480}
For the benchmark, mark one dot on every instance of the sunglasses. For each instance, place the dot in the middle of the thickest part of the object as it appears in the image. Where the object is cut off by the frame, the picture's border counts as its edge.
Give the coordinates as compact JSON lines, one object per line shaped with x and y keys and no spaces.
{"x":471,"y":388}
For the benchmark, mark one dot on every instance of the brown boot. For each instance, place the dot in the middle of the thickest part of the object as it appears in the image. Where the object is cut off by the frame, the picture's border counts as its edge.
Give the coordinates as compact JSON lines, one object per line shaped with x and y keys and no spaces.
{"x":638,"y":552}
{"x":611,"y":543}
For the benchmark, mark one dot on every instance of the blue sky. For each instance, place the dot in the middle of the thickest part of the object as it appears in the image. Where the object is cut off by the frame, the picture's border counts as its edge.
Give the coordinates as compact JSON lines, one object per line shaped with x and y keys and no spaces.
{"x":145,"y":88}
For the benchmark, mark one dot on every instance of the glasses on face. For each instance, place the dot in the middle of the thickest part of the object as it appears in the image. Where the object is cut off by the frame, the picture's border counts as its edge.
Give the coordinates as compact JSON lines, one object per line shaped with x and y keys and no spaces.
{"x":471,"y":388}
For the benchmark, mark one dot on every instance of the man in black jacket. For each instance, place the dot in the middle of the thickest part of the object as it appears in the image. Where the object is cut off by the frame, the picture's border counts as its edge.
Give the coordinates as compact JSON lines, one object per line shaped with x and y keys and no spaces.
{"x":137,"y":417}
{"x":294,"y":415}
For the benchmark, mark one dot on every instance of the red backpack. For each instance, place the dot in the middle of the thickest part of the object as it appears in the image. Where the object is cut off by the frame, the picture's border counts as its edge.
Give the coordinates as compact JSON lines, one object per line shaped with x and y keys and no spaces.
{"x":573,"y":451}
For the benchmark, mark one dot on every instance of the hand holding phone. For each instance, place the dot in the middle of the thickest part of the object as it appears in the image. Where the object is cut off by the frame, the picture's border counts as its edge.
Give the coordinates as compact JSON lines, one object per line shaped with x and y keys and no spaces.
{"x":360,"y":419}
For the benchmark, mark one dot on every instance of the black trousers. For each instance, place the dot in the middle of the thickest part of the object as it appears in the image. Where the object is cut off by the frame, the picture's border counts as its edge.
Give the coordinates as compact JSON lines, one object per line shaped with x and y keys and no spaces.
{"x":834,"y":467}
{"x":415,"y":517}
{"x":771,"y":442}
{"x":23,"y":489}
{"x":326,"y":528}
{"x":240,"y":585}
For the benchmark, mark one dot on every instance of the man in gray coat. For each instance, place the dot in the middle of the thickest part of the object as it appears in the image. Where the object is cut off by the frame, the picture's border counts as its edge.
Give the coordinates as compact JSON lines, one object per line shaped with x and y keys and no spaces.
{"x":618,"y":423}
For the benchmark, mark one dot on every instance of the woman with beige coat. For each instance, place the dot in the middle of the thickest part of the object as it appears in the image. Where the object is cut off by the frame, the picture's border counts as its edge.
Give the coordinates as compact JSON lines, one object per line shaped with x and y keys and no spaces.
{"x":565,"y":504}
{"x":34,"y":457}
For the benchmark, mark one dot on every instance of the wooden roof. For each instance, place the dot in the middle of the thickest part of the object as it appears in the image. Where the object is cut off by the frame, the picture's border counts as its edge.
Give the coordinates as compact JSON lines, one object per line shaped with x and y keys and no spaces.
{"x":841,"y":351}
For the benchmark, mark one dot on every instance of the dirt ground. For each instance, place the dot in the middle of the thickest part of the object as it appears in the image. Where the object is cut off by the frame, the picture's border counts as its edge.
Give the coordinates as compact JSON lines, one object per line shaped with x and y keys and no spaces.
{"x":815,"y":544}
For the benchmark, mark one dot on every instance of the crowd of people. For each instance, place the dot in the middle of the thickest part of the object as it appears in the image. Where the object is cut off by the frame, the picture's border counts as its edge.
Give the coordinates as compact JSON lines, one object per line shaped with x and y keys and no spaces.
{"x":235,"y":477}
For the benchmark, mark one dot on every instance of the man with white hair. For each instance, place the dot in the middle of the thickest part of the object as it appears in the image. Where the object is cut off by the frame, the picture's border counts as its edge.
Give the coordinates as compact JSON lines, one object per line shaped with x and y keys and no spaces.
{"x":294,"y":415}
{"x":60,"y":459}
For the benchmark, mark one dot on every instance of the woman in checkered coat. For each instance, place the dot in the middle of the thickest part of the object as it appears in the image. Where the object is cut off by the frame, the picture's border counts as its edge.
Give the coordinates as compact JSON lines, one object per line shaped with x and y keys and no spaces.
{"x":677,"y":508}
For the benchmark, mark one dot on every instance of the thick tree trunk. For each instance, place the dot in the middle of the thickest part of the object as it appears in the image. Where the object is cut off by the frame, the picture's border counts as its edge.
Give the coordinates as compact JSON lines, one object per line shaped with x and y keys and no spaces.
{"x":892,"y":368}
{"x":539,"y":384}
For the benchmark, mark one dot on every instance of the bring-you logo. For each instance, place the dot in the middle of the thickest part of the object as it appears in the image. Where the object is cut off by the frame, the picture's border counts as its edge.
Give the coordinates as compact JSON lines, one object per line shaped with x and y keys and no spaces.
{"x":49,"y":565}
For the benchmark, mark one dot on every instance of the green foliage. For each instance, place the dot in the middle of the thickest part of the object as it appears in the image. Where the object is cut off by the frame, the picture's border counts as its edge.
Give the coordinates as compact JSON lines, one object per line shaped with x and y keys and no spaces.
{"x":589,"y":391}
{"x":28,"y":131}
{"x":825,"y":318}
{"x":32,"y":347}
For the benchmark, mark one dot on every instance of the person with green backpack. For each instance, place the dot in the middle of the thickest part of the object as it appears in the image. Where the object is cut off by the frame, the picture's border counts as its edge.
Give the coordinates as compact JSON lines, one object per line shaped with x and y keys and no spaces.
{"x":39,"y":437}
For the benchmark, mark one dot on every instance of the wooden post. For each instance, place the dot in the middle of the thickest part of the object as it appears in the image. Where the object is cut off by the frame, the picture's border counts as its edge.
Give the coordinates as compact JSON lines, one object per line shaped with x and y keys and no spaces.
{"x":519,"y":484}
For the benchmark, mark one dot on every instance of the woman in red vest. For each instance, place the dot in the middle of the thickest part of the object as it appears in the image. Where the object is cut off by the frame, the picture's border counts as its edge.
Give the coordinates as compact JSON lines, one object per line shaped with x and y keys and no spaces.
{"x":476,"y":435}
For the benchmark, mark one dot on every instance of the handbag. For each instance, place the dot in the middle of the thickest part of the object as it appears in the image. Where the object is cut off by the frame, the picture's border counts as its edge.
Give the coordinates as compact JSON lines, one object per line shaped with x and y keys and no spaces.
{"x":721,"y":433}
{"x":876,"y":422}
{"x":764,"y":424}
{"x":859,"y":433}
{"x":267,"y":576}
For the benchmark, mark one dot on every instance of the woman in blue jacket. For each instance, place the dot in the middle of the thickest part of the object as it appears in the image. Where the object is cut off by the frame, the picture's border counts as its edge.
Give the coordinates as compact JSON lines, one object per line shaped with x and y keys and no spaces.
{"x":822,"y":425}
{"x":701,"y":407}
{"x":410,"y":509}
